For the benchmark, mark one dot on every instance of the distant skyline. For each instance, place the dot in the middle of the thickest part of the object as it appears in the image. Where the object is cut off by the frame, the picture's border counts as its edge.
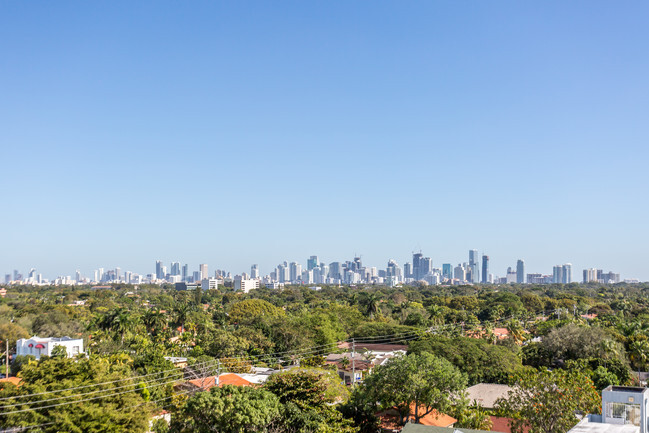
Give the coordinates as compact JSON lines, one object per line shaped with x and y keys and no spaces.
{"x":266,"y":269}
{"x":238,"y":133}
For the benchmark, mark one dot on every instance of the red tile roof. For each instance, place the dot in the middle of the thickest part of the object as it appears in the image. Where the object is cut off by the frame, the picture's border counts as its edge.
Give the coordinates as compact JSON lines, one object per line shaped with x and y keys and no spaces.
{"x":15,"y":380}
{"x":224,"y":379}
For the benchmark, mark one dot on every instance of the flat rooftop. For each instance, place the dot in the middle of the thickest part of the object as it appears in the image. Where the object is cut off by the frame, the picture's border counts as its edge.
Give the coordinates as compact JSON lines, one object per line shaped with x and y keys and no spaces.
{"x":635,"y":389}
{"x":587,"y":426}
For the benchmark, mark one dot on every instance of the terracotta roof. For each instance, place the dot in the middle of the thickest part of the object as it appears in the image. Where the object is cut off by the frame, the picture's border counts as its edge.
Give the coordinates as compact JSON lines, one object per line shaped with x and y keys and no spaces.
{"x":501,"y":424}
{"x":389,"y":419}
{"x":224,"y":379}
{"x":15,"y":380}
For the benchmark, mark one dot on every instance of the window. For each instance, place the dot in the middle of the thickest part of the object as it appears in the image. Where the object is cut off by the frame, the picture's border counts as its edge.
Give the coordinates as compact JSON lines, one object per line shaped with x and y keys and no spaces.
{"x":75,"y":350}
{"x":627,"y":413}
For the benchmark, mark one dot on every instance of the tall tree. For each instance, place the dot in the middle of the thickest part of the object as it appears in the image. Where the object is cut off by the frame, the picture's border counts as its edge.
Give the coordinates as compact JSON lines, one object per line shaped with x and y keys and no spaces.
{"x":416,"y":385}
{"x":546,"y":401}
{"x":229,"y":409}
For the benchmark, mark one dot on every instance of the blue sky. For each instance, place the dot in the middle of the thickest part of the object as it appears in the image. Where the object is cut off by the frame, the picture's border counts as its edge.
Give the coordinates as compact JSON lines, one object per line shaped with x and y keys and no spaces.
{"x":257,"y":132}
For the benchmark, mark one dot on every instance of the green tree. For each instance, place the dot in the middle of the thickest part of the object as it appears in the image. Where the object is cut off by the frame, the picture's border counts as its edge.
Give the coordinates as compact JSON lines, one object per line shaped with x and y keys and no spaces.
{"x":308,"y":397}
{"x":248,"y":311}
{"x":480,"y":360}
{"x":416,"y":385}
{"x":546,"y":401}
{"x":12,"y":332}
{"x":228,"y":409}
{"x":117,"y":406}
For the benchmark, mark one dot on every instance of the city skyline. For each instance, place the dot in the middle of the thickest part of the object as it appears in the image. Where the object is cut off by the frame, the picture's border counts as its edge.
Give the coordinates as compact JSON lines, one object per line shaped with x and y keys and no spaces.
{"x":477,"y":269}
{"x":231,"y":133}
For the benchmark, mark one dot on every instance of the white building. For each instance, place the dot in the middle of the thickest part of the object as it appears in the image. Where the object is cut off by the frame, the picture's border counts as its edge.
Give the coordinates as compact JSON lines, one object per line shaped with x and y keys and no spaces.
{"x":209,"y":284}
{"x":244,"y":284}
{"x":37,"y":346}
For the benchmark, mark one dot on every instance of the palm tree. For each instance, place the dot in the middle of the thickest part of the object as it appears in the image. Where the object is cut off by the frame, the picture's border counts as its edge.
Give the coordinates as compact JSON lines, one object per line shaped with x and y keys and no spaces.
{"x":371,"y":303}
{"x":516,"y":331}
{"x":640,"y":354}
{"x":488,"y":333}
{"x":182,"y":311}
{"x":154,"y":321}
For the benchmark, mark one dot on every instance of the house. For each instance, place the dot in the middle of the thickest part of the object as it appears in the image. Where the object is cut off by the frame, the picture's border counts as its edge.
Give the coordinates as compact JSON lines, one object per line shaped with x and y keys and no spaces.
{"x":37,"y":346}
{"x":389,"y":419}
{"x":624,"y":410}
{"x":486,"y":394}
{"x":370,"y":356}
{"x":15,"y":380}
{"x":235,"y":379}
{"x":420,"y":428}
{"x":177,"y":361}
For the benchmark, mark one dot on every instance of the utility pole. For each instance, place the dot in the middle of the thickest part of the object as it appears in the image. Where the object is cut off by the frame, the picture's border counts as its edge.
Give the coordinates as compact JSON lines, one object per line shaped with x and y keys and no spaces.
{"x":353,"y":362}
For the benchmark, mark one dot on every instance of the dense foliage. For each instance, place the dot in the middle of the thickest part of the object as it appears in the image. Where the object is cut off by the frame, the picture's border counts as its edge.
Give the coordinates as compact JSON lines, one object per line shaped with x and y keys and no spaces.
{"x":481,"y":333}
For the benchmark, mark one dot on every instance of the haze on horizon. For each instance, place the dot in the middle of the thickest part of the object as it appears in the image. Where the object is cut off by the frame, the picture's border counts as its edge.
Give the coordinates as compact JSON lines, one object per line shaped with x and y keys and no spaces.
{"x":242,"y":133}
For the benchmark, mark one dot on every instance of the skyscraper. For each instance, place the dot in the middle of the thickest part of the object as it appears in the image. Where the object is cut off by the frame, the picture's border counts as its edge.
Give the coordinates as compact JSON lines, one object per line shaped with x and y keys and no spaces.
{"x":254,"y":271}
{"x":312,"y":262}
{"x":158,"y":270}
{"x":425,"y":267}
{"x":416,"y":259}
{"x":407,"y":270}
{"x":557,"y":274}
{"x":335,"y":270}
{"x":447,"y":271}
{"x":185,"y":274}
{"x":295,"y":272}
{"x":566,"y":273}
{"x":202,"y":268}
{"x":520,"y":272}
{"x":474,"y":260}
{"x":485,"y":269}
{"x":175,"y":268}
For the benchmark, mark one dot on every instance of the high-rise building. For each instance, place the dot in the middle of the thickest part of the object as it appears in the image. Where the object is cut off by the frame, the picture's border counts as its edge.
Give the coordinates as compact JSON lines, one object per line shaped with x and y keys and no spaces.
{"x":416,"y":263}
{"x":407,"y":270}
{"x":520,"y":271}
{"x":474,"y":260}
{"x":283,"y":273}
{"x":557,"y":274}
{"x":590,"y":275}
{"x":566,"y":273}
{"x":77,"y":277}
{"x":254,"y":271}
{"x":202,"y":268}
{"x":175,"y":268}
{"x":312,"y":262}
{"x":460,"y":273}
{"x":158,"y":270}
{"x":447,"y":271}
{"x":295,"y":272}
{"x":335,"y":271}
{"x":185,"y":273}
{"x":425,"y":267}
{"x":393,"y":271}
{"x":485,"y":269}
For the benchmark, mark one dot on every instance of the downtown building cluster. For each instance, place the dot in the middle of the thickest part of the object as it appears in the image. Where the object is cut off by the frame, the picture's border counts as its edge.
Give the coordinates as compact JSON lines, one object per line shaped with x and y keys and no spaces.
{"x":352,"y":272}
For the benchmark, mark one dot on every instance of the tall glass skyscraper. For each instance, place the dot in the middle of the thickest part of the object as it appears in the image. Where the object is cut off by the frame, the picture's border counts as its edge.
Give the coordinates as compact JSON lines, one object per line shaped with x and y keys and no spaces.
{"x":520,"y":272}
{"x":474,"y":260}
{"x":485,"y":269}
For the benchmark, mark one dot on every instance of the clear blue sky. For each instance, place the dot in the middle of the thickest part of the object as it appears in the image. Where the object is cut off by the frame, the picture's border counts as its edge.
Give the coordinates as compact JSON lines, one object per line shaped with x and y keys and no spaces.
{"x":256,"y":132}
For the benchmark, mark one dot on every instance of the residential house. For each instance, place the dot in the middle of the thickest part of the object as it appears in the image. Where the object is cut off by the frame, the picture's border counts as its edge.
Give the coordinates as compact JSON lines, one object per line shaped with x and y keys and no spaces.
{"x":624,"y":410}
{"x":37,"y":346}
{"x":389,"y":420}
